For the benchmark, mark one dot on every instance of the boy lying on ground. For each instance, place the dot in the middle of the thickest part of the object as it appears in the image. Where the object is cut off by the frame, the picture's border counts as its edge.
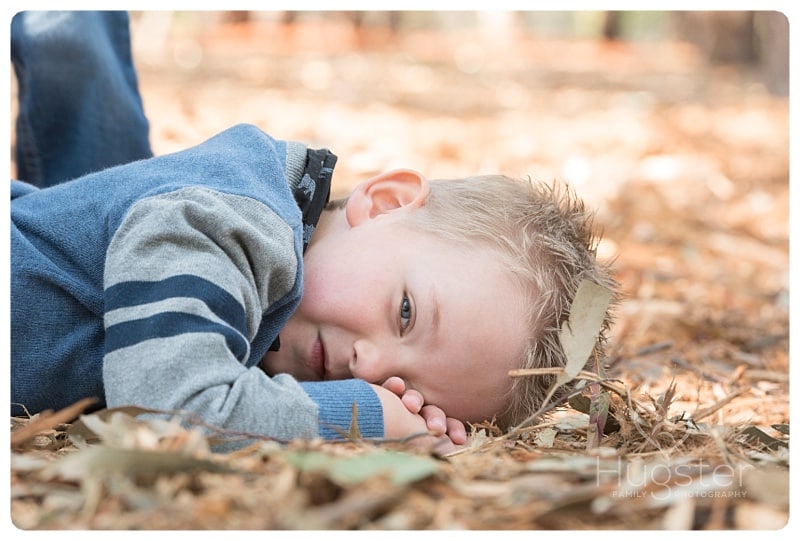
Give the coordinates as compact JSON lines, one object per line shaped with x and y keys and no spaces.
{"x":219,"y":280}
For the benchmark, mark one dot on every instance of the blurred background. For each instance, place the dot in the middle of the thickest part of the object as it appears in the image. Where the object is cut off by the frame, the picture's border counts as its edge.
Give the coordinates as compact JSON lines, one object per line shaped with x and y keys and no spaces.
{"x":674,"y":126}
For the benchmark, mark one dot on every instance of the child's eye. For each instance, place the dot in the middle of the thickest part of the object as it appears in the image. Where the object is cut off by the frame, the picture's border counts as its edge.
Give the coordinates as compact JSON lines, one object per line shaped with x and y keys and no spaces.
{"x":406,"y":314}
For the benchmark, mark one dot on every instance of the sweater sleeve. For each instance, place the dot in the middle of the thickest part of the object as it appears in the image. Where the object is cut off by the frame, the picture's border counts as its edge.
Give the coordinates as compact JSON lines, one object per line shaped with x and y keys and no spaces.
{"x":336,"y":399}
{"x":189,"y":276}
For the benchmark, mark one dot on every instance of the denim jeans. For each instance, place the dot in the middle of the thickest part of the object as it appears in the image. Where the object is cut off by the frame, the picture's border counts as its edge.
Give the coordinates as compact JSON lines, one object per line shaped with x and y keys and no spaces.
{"x":79,"y":105}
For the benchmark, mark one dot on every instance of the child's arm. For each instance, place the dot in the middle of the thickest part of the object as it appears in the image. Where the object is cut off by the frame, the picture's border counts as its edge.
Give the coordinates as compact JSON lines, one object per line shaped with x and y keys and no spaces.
{"x":199,"y":276}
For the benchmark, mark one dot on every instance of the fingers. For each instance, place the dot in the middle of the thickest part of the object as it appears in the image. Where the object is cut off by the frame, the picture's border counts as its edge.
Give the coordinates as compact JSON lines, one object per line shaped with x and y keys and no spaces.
{"x":438,"y":423}
{"x":413,"y":401}
{"x":457,"y":431}
{"x":395,"y":384}
{"x":435,"y":418}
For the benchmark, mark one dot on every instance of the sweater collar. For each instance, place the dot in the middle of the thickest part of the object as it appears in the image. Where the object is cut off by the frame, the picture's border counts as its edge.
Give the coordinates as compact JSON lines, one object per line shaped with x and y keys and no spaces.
{"x":313,"y":191}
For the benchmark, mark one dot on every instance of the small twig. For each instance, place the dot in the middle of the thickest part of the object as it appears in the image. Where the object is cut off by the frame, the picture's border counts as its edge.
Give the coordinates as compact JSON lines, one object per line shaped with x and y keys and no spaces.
{"x":705,"y":412}
{"x":583,"y":374}
{"x":737,"y":374}
{"x":705,"y":375}
{"x":47,"y":420}
{"x":524,"y":426}
{"x":653,"y":348}
{"x":766,"y":375}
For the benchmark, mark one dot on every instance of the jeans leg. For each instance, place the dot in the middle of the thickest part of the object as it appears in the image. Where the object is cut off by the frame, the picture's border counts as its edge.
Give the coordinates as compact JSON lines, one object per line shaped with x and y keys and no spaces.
{"x":79,"y":105}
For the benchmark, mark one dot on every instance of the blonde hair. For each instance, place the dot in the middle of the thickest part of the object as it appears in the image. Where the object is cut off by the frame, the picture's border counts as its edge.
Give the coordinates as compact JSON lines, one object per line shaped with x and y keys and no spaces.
{"x":546,"y":237}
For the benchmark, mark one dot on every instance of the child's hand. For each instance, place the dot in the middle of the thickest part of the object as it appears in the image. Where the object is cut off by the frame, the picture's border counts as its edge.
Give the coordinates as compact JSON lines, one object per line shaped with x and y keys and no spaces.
{"x":399,"y":422}
{"x":435,"y":418}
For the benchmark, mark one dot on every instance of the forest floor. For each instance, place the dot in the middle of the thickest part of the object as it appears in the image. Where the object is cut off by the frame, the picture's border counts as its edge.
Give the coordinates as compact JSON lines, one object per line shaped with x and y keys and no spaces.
{"x":688,"y":168}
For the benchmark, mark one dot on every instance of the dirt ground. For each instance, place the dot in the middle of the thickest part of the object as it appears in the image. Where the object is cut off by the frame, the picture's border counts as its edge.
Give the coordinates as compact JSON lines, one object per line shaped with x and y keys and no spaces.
{"x":687,"y":165}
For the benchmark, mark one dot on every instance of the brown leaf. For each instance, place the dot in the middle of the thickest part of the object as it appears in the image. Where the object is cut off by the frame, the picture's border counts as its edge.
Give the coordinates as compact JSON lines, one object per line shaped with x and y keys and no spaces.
{"x":47,"y":420}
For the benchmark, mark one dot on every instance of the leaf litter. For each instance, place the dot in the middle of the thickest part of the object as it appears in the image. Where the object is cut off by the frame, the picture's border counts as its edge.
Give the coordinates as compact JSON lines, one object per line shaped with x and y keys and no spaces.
{"x":684,"y":426}
{"x":671,"y":468}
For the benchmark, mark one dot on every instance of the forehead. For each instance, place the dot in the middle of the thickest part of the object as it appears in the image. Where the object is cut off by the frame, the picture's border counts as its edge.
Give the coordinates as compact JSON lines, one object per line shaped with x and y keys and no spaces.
{"x":473,"y":287}
{"x":474,"y":278}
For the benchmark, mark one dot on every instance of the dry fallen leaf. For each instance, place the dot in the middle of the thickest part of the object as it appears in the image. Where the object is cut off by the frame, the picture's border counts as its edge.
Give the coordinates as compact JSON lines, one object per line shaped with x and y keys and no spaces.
{"x":579,"y":334}
{"x":400,"y":468}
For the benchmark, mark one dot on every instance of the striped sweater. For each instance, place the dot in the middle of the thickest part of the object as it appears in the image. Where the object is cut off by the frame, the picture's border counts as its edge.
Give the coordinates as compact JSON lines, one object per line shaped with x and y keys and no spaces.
{"x":163,"y":282}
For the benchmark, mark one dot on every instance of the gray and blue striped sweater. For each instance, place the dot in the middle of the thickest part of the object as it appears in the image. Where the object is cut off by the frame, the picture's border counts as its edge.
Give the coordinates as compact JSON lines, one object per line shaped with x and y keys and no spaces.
{"x":163,"y":282}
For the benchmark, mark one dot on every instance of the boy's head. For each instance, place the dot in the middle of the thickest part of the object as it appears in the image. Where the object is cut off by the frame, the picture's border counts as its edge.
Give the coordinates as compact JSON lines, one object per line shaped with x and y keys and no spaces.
{"x":447,"y":284}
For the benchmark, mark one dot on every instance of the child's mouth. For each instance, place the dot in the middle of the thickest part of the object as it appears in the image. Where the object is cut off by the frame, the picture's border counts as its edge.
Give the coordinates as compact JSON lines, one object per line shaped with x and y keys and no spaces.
{"x":317,"y":360}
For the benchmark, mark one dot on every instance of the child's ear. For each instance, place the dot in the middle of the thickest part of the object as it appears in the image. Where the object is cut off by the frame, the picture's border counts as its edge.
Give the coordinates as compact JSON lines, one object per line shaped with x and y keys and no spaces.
{"x":400,"y":188}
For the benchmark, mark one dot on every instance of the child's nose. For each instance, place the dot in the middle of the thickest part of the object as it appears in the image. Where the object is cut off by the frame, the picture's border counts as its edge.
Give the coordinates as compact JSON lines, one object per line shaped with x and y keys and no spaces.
{"x":367,"y":362}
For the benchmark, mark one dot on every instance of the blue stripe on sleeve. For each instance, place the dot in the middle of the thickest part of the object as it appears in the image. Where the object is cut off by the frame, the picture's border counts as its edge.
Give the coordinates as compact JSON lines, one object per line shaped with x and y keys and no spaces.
{"x":168,"y":324}
{"x":219,"y":301}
